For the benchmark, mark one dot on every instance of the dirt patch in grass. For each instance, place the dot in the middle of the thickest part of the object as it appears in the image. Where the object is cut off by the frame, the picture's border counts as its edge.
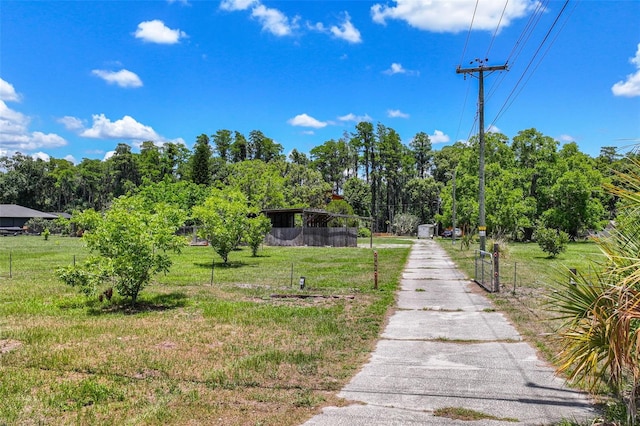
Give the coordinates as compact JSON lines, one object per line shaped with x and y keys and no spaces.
{"x":8,"y":345}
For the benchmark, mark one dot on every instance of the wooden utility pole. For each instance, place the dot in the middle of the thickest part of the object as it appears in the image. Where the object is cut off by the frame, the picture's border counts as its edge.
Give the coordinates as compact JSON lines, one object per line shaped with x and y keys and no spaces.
{"x":481,"y":69}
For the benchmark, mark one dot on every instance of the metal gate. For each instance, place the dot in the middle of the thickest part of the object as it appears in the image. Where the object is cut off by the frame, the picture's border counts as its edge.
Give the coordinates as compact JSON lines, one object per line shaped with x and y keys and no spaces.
{"x":485,"y":270}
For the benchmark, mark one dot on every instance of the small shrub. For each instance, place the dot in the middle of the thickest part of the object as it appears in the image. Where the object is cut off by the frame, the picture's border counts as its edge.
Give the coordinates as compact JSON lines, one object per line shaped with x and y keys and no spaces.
{"x":405,"y":224}
{"x":364,"y":232}
{"x":551,"y":241}
{"x":503,"y":246}
{"x":46,"y":234}
{"x":466,"y":240}
{"x":36,"y":225}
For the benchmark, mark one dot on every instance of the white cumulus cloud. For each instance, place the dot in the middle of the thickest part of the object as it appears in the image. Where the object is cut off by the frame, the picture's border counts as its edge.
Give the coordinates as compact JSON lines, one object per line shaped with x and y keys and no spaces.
{"x":346,"y":31}
{"x":232,"y":5}
{"x":41,"y":156}
{"x":355,"y":118}
{"x":452,"y":15}
{"x":8,"y":92}
{"x":125,"y":128}
{"x":122,"y":78}
{"x":71,"y":123}
{"x":16,"y":136}
{"x":438,"y":136}
{"x":631,"y":86}
{"x":156,"y":31}
{"x":304,"y":120}
{"x":273,"y":20}
{"x":397,"y":68}
{"x":396,"y":113}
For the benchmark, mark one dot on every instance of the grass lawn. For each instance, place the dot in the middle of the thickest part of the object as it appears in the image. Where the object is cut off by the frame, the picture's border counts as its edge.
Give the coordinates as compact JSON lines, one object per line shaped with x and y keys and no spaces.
{"x":206,"y":344}
{"x":527,"y":277}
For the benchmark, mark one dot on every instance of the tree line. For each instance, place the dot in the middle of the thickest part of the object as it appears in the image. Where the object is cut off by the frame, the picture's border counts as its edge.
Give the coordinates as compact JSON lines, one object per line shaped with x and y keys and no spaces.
{"x":530,"y":180}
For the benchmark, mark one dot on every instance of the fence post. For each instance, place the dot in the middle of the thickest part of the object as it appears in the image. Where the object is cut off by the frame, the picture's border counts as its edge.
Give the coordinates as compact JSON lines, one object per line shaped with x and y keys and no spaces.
{"x":375,"y":270}
{"x":213,"y":266}
{"x":475,"y":261}
{"x":496,"y":267}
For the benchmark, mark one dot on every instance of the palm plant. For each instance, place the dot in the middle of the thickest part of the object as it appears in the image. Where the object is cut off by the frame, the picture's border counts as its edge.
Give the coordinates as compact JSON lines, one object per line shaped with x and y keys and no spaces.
{"x":601,"y":334}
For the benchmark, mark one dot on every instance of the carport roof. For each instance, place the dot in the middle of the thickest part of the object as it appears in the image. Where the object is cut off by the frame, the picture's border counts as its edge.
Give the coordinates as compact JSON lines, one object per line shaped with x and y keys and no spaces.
{"x":14,"y":210}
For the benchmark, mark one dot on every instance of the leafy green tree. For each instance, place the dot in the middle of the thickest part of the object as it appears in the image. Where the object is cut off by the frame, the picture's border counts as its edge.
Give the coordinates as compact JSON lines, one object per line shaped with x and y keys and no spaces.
{"x":341,"y":207}
{"x":239,"y":148}
{"x":257,"y":228}
{"x":389,"y":174}
{"x":200,"y":162}
{"x":574,"y":208}
{"x":261,"y":183}
{"x":263,"y":148}
{"x":173,"y":159}
{"x":25,"y":181}
{"x":129,"y":244}
{"x":222,"y":220}
{"x":63,"y":174}
{"x":330,"y":159}
{"x":122,"y":171}
{"x":423,"y":196}
{"x":222,"y":141}
{"x":93,"y":190}
{"x":364,"y":139}
{"x":297,"y":157}
{"x":183,"y":195}
{"x":149,"y":162}
{"x":421,"y":149}
{"x":358,"y":194}
{"x":303,"y":186}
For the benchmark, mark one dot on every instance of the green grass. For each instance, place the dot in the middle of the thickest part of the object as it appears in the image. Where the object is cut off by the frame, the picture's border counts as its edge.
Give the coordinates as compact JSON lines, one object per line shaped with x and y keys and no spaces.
{"x":459,"y":413}
{"x":192,"y":349}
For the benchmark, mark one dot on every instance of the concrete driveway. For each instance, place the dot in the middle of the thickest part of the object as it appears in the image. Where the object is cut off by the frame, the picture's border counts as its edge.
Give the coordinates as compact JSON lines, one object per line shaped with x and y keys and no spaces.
{"x":445,"y":346}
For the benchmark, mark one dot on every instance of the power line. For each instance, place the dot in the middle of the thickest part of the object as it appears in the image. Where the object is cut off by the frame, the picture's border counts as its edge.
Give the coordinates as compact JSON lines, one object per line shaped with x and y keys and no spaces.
{"x":464,"y":49}
{"x":520,"y":43}
{"x":507,"y":103}
{"x":495,"y":33}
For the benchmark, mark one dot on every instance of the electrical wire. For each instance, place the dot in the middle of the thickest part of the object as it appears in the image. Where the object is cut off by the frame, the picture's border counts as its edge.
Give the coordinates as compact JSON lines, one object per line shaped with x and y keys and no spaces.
{"x":466,"y":42}
{"x":495,"y":33}
{"x":513,"y":94}
{"x":464,"y":105}
{"x":464,"y":50}
{"x":519,"y":45}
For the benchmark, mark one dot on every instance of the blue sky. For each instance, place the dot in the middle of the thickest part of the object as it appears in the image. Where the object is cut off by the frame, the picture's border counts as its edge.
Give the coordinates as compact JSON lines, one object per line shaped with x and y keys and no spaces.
{"x":79,"y":77}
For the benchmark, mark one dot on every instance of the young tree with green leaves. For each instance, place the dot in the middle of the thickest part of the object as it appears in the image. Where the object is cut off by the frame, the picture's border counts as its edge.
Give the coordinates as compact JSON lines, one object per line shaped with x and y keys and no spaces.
{"x":257,"y":228}
{"x":222,"y":220}
{"x":129,"y":245}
